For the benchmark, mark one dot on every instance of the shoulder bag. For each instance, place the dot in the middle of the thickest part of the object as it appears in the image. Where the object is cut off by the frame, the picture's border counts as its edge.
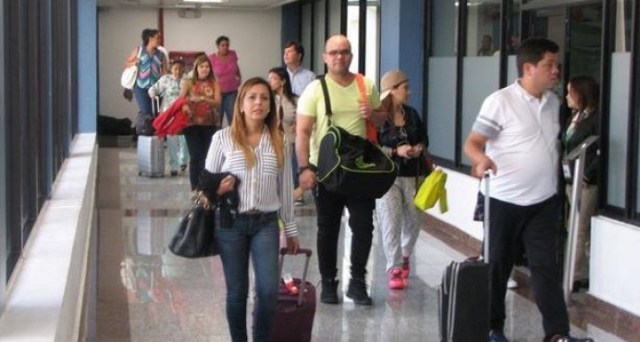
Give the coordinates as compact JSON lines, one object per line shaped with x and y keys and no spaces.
{"x":130,"y":74}
{"x":195,"y":235}
{"x":351,"y":165}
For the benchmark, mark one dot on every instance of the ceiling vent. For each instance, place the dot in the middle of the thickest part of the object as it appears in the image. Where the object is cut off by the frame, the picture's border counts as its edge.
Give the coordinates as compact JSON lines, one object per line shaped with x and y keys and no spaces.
{"x":189,"y":13}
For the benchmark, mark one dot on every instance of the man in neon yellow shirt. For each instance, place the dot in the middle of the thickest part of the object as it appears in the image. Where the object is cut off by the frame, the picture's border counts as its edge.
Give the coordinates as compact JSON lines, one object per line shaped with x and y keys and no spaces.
{"x":349,"y":112}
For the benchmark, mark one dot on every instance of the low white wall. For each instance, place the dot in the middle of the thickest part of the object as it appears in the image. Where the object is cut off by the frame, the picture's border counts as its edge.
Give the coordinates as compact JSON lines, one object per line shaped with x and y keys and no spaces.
{"x":45,"y":296}
{"x":614,"y":272}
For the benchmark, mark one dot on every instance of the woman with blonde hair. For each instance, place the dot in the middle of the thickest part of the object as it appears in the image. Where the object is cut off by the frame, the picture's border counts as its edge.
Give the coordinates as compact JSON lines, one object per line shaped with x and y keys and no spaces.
{"x":253,"y":152}
{"x":202,"y":94}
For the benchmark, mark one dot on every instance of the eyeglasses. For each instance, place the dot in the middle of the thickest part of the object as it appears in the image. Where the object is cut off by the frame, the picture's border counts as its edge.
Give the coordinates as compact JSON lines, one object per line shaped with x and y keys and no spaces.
{"x":343,"y":53}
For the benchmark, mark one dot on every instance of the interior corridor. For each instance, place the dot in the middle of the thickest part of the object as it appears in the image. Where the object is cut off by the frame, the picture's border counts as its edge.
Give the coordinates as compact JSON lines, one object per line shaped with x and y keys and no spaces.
{"x":145,"y":293}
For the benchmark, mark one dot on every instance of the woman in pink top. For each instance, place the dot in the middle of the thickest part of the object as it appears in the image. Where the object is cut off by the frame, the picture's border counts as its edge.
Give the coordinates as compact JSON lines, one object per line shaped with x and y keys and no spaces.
{"x":227,"y":71}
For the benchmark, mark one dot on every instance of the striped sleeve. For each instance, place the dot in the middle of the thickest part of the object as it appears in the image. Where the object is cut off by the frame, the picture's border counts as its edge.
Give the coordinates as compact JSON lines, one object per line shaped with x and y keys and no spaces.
{"x":285,"y":189}
{"x":488,"y":122}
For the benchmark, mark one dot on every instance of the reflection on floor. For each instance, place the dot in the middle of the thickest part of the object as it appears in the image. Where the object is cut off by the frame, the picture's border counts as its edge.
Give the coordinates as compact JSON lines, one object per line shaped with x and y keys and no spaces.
{"x":147,"y":294}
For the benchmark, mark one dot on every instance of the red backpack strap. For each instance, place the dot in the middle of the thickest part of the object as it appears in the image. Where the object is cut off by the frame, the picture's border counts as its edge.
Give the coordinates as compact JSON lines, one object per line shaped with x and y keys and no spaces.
{"x":372,"y":132}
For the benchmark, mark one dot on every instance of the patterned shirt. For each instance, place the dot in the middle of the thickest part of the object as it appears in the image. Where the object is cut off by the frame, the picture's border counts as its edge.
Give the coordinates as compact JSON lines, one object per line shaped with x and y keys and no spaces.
{"x":264,"y":187}
{"x":204,"y":113}
{"x":167,"y":87}
{"x":149,"y":68}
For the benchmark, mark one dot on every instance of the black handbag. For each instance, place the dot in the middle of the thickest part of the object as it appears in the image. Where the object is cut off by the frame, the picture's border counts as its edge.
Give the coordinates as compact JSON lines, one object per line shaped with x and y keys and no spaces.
{"x":351,"y":165}
{"x":195,"y":235}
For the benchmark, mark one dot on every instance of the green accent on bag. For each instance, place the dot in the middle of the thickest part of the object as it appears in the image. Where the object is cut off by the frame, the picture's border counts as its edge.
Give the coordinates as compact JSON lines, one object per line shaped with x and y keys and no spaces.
{"x":361,"y":164}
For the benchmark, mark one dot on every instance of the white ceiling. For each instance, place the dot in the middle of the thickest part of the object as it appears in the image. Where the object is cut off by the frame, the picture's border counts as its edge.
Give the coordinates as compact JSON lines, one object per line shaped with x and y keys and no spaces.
{"x":230,"y":4}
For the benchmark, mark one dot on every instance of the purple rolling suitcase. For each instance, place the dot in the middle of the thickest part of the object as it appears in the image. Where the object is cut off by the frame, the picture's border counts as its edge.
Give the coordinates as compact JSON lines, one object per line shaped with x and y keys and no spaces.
{"x":294,"y":316}
{"x":464,"y":297}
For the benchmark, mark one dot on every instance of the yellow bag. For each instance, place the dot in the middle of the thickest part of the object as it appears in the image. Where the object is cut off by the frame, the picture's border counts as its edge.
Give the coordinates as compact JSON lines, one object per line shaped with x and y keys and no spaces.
{"x":431,"y":191}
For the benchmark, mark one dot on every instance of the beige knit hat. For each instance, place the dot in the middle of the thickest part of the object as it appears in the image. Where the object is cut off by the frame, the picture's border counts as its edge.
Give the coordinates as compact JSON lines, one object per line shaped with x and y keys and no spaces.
{"x":390,"y":80}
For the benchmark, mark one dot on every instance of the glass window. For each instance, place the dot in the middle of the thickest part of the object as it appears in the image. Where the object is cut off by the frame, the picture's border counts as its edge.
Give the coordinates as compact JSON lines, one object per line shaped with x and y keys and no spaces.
{"x":318,"y":36}
{"x":481,"y":68}
{"x":372,"y":37}
{"x":38,"y":139}
{"x":623,"y":25}
{"x":441,"y":87}
{"x":616,"y":162}
{"x":483,"y":28}
{"x":305,"y":35}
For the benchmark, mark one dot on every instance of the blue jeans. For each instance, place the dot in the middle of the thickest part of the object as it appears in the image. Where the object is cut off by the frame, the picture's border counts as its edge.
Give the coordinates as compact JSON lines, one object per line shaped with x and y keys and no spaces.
{"x":226,"y":107}
{"x":142,"y":99}
{"x":255,"y":235}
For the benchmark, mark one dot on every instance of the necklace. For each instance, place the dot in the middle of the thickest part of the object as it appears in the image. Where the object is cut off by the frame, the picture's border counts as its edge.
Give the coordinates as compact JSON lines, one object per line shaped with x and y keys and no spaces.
{"x":399,"y":120}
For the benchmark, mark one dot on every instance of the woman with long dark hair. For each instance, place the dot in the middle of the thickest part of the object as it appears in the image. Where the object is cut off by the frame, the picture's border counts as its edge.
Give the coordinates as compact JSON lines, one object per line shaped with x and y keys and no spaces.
{"x":152,"y":63}
{"x":286,"y":102}
{"x":582,"y":98}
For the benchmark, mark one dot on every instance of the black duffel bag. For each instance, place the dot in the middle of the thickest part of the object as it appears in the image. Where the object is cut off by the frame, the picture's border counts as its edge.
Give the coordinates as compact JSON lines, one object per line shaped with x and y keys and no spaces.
{"x":351,"y":165}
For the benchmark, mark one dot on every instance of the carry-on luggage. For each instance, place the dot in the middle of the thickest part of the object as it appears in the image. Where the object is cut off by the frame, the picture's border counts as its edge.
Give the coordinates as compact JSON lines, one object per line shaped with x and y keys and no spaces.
{"x":151,"y":151}
{"x":464,"y":297}
{"x":293,"y":320}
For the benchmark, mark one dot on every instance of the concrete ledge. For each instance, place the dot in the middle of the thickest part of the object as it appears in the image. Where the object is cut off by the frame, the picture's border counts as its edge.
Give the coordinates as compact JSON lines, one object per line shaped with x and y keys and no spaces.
{"x":46,"y":297}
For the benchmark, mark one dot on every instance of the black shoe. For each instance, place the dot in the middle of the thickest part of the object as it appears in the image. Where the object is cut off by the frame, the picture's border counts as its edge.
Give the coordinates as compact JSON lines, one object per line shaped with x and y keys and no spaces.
{"x":183,"y":167}
{"x":329,"y":294}
{"x":174,"y":173}
{"x":358,"y":292}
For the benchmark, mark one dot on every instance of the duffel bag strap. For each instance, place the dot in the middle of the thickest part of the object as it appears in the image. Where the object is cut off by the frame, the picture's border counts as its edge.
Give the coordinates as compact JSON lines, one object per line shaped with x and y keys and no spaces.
{"x":325,"y":93}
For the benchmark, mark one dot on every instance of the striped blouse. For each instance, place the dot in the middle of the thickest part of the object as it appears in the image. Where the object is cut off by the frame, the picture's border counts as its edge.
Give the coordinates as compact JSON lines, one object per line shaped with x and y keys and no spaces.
{"x":264,"y":187}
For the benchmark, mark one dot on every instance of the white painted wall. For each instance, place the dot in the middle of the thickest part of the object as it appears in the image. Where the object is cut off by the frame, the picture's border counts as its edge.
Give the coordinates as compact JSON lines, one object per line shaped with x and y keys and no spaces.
{"x":614,"y":268}
{"x":255,"y":35}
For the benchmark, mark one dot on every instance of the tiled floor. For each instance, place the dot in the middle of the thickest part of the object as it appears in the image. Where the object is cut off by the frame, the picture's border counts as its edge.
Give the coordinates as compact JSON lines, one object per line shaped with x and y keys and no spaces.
{"x":147,"y":294}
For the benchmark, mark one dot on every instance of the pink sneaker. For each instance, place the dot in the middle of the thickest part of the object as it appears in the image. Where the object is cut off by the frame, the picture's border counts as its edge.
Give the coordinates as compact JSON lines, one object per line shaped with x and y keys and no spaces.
{"x":395,"y":279}
{"x":405,"y":268}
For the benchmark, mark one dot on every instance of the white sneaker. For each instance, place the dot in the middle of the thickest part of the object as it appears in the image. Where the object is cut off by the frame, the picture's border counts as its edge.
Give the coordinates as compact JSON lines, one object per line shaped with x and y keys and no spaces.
{"x":512,"y":284}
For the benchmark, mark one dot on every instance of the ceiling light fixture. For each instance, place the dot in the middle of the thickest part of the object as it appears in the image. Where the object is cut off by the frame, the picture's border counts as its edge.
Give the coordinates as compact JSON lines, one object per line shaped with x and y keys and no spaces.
{"x":207,"y":1}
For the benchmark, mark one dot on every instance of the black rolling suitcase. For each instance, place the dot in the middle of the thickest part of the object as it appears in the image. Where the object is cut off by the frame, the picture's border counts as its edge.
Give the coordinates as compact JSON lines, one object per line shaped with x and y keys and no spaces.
{"x":464,"y":297}
{"x":151,"y":150}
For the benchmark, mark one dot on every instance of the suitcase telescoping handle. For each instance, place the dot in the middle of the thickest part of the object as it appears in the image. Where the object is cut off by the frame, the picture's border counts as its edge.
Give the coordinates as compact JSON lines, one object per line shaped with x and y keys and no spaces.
{"x":487,"y":200}
{"x":303,"y":284}
{"x":155,"y":106}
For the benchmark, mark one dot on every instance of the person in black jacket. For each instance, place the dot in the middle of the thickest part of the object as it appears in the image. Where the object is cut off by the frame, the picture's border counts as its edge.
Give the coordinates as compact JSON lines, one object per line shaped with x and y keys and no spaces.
{"x":582,"y":98}
{"x":403,"y":136}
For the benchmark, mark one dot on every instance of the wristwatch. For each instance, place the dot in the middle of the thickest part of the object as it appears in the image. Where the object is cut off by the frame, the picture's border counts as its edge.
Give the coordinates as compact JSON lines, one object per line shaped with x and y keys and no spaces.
{"x":302,"y":169}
